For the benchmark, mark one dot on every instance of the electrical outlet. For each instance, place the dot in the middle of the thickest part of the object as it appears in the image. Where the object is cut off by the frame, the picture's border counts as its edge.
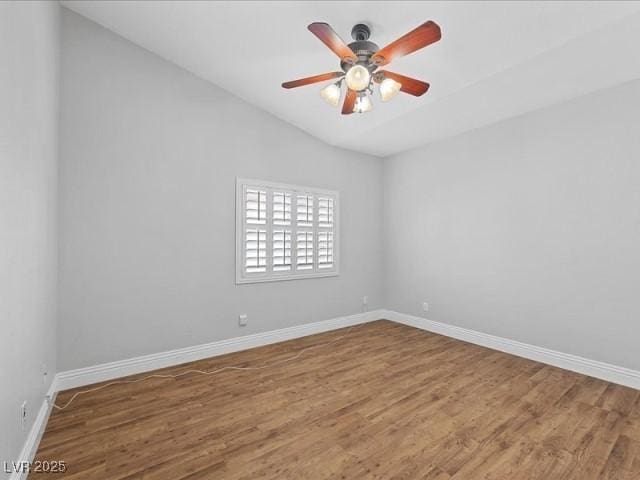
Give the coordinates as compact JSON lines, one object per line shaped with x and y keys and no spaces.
{"x":365,"y":300}
{"x":23,"y":415}
{"x":425,"y":307}
{"x":243,"y":320}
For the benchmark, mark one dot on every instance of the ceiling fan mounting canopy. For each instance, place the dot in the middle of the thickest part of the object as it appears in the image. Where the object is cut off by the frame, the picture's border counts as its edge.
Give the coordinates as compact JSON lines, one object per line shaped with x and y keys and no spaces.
{"x":360,"y":31}
{"x":360,"y":60}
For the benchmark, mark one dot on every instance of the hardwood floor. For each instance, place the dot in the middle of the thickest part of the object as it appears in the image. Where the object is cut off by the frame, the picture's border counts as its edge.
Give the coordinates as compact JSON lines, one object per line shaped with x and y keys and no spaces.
{"x":386,"y":401}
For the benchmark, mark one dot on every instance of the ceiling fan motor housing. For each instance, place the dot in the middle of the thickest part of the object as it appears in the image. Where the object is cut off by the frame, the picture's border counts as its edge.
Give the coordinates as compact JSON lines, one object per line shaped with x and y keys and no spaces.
{"x":362,"y":47}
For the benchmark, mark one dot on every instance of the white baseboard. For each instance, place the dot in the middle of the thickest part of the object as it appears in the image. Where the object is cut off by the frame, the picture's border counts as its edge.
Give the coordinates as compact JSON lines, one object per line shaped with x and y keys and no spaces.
{"x":574,"y":363}
{"x":35,"y":434}
{"x":122,"y":368}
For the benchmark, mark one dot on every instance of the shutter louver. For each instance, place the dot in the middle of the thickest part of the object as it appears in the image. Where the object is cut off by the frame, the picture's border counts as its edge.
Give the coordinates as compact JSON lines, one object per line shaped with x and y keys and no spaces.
{"x":304,"y":251}
{"x":325,"y":235}
{"x":325,"y":212}
{"x":281,"y":250}
{"x":305,"y":210}
{"x":281,"y":208}
{"x":325,"y":249}
{"x":256,"y":206}
{"x":255,"y":250}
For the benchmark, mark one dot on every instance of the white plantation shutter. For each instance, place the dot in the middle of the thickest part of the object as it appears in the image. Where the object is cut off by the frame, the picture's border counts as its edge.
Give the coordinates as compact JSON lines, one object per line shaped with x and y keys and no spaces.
{"x":325,"y":232}
{"x":325,"y":249}
{"x":304,"y":252}
{"x":281,"y":208}
{"x":285,"y":232}
{"x":281,"y":250}
{"x":305,"y":210}
{"x":256,"y":206}
{"x":256,"y":250}
{"x":325,"y":211}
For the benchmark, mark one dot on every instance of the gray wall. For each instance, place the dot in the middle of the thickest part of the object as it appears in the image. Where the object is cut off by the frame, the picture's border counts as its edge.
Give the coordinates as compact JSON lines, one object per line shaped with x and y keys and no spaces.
{"x":527,"y":229}
{"x":149,"y":157}
{"x":29,"y":48}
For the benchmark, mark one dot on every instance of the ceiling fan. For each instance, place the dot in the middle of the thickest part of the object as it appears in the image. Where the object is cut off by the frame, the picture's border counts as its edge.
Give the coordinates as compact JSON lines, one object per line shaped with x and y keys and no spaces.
{"x":360,"y":61}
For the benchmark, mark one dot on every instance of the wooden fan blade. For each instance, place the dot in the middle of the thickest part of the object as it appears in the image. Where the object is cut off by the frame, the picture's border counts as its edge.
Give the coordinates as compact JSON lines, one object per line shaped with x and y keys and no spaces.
{"x":349,"y":102}
{"x":331,"y":39}
{"x":425,"y":34}
{"x":309,"y":80}
{"x":408,"y":85}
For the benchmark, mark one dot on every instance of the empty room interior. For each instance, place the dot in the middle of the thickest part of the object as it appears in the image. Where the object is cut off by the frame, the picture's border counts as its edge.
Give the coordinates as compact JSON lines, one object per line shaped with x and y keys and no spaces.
{"x":320,"y":240}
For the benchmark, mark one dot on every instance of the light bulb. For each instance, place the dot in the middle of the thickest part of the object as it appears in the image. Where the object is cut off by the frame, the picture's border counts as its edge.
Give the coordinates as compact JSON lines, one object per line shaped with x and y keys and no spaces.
{"x":363,"y":104}
{"x":358,"y":78}
{"x":389,"y":88}
{"x":331,"y":94}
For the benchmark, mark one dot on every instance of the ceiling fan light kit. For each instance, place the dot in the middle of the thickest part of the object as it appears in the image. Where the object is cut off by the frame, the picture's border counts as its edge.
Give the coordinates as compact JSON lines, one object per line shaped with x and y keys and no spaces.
{"x":331,"y":94}
{"x":363,"y":104}
{"x":357,"y":78}
{"x":389,"y":88}
{"x":360,"y":61}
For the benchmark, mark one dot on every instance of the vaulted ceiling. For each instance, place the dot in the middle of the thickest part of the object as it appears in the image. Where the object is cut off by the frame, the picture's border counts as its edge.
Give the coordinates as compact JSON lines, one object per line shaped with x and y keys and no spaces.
{"x":496,"y":59}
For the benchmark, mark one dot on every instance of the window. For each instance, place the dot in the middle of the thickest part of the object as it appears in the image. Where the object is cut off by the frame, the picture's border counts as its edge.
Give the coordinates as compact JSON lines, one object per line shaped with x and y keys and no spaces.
{"x":285,"y":232}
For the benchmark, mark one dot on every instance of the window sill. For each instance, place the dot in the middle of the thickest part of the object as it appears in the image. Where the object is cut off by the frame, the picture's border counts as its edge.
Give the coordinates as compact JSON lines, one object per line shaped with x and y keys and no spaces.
{"x":284,"y":278}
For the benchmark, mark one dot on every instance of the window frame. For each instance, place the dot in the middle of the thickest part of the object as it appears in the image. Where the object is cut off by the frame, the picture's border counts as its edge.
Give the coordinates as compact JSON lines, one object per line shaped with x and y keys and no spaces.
{"x":276,"y":276}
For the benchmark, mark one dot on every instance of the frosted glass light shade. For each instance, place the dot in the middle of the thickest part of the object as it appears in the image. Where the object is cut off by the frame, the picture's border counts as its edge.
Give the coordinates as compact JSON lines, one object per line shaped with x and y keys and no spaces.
{"x":389,"y":88}
{"x":331,"y":94}
{"x":363,"y":104}
{"x":358,"y":78}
